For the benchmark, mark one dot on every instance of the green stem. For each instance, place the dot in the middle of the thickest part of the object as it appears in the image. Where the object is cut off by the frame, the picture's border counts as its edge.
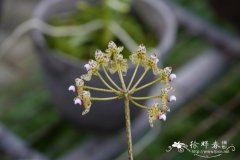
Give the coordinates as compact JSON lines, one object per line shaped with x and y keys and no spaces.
{"x":110,"y":79}
{"x":103,"y":99}
{"x":144,"y":98}
{"x":101,"y":78}
{"x":139,"y":80}
{"x":128,"y":128}
{"x":138,"y":105}
{"x":133,"y":76}
{"x":146,"y":85}
{"x":120,"y":76}
{"x":99,"y":89}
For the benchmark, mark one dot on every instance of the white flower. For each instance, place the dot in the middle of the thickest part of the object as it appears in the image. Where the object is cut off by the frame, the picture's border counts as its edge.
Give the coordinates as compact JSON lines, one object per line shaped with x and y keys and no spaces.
{"x":141,"y":48}
{"x":172,"y":98}
{"x":178,"y":145}
{"x":87,"y":67}
{"x":77,"y":101}
{"x":168,"y":110}
{"x":79,"y":82}
{"x":72,"y":88}
{"x":162,"y":117}
{"x":111,"y":45}
{"x":172,"y":77}
{"x":154,"y":58}
{"x":99,"y":53}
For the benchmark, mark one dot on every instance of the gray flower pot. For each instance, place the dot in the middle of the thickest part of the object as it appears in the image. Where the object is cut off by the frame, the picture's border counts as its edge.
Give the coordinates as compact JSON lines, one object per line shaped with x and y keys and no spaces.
{"x":61,"y":71}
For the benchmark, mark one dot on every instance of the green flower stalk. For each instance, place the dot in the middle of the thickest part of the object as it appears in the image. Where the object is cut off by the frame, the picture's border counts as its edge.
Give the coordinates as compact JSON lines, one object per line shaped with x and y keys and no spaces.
{"x":112,"y":62}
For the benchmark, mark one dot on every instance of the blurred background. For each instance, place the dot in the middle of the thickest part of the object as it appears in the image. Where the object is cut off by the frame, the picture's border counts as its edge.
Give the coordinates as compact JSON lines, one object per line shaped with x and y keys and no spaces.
{"x":205,"y":56}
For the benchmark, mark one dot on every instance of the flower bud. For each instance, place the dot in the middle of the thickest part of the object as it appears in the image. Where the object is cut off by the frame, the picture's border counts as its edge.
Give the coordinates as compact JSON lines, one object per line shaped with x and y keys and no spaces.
{"x":172,"y":77}
{"x":72,"y":88}
{"x":172,"y":98}
{"x":77,"y":101}
{"x":87,"y":67}
{"x":162,"y":117}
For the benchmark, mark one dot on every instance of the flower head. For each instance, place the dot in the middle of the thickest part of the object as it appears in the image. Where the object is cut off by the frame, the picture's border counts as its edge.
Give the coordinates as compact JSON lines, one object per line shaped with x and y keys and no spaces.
{"x":101,"y":57}
{"x":153,"y":113}
{"x":92,"y":67}
{"x":86,"y":101}
{"x":113,"y":61}
{"x":139,"y":56}
{"x":113,"y":49}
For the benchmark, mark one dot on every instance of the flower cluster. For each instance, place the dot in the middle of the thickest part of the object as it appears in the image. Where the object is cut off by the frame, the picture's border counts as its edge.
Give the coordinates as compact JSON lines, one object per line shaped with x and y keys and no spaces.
{"x":112,"y":61}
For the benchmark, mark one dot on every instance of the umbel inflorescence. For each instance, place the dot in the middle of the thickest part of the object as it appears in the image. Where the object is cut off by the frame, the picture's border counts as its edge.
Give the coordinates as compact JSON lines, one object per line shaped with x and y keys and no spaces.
{"x":112,"y":61}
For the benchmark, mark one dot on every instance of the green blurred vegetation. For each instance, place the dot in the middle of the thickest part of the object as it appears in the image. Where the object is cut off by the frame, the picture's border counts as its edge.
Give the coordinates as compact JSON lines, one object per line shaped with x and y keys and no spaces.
{"x":27,"y":110}
{"x":83,"y":47}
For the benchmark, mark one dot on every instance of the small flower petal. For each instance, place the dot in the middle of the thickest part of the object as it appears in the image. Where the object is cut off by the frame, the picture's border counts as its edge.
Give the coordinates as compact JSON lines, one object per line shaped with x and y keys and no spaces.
{"x":172,"y":77}
{"x":77,"y":101}
{"x":72,"y":88}
{"x":172,"y":98}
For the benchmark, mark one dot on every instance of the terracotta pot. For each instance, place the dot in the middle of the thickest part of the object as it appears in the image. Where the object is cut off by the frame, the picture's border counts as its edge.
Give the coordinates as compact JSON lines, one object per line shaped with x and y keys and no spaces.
{"x":61,"y":71}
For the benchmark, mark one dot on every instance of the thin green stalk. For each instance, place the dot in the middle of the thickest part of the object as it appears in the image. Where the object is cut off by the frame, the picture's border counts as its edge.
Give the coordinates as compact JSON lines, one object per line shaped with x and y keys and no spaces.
{"x":144,"y":98}
{"x":121,"y":76}
{"x":146,"y":85}
{"x":103,"y":99}
{"x":128,"y":128}
{"x":99,"y":89}
{"x":110,"y":79}
{"x":139,"y":80}
{"x":138,"y":105}
{"x":133,"y":76}
{"x":106,"y":84}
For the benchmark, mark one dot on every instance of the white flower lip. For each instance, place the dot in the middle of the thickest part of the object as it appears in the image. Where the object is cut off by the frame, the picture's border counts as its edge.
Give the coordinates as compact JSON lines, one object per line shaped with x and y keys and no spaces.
{"x":77,"y":101}
{"x":172,"y":77}
{"x":87,"y":67}
{"x":172,"y":98}
{"x":154,"y":57}
{"x":163,"y":117}
{"x":72,"y":88}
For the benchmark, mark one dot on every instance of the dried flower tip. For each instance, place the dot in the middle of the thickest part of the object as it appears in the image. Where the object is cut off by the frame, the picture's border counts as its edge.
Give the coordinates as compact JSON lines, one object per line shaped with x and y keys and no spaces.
{"x":86,"y":102}
{"x":87,"y":67}
{"x":72,"y":88}
{"x":172,"y":77}
{"x":168,"y":70}
{"x":163,"y":117}
{"x":77,"y":101}
{"x":172,"y":98}
{"x":100,"y":57}
{"x":141,"y":49}
{"x":79,"y":82}
{"x":85,"y":111}
{"x":99,"y":53}
{"x":112,"y":45}
{"x":86,"y":94}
